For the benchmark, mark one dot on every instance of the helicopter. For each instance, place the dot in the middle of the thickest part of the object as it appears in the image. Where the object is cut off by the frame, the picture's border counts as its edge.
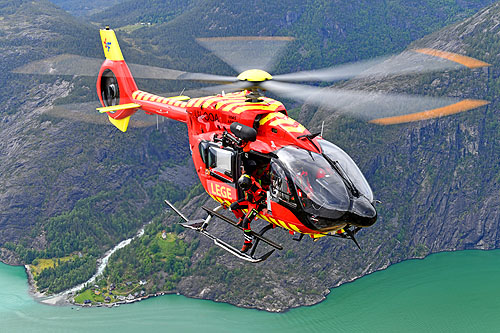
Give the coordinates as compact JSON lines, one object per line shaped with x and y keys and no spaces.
{"x":312,"y":186}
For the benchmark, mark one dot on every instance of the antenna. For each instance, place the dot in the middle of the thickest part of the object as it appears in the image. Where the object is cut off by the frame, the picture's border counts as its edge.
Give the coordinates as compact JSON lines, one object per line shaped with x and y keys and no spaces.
{"x":322,"y":124}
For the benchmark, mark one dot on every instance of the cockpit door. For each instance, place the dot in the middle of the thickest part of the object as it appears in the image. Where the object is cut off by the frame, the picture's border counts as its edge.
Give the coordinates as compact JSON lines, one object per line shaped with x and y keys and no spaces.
{"x":280,"y":189}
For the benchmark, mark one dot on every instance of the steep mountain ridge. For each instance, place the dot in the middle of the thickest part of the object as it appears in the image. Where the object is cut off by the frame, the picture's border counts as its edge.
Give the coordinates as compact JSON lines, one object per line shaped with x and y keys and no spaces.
{"x":65,"y":173}
{"x":67,"y":186}
{"x":438,"y":181}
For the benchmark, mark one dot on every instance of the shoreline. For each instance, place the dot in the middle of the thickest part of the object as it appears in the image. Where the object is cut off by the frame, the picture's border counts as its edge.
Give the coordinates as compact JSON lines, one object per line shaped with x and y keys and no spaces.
{"x":59,"y":300}
{"x":66,"y":299}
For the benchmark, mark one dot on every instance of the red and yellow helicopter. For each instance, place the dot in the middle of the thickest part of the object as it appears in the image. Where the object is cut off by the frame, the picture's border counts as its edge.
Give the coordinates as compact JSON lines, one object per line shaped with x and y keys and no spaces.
{"x":313,"y":187}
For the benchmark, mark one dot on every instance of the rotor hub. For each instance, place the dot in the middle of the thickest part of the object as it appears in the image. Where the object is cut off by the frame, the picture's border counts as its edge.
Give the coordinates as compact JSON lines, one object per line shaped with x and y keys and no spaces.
{"x":255,"y":75}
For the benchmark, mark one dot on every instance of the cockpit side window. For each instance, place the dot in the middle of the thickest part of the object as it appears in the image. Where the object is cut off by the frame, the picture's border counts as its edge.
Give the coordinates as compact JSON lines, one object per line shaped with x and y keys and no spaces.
{"x":280,"y":188}
{"x":318,"y":186}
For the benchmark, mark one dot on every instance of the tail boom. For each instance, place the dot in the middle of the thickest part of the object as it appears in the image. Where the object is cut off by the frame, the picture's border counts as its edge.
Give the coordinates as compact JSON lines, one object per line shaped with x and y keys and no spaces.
{"x":170,"y":107}
{"x":116,"y":87}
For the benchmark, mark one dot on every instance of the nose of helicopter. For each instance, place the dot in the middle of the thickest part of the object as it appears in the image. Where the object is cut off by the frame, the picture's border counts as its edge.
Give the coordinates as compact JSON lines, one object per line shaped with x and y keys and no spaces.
{"x":364,"y":213}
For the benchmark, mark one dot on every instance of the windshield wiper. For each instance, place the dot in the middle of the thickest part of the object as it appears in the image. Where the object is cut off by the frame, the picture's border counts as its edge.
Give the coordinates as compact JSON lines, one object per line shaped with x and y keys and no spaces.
{"x":345,"y":178}
{"x":310,"y":137}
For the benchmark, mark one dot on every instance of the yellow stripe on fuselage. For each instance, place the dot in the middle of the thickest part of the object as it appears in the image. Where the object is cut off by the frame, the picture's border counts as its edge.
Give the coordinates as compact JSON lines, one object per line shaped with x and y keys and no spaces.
{"x":271,"y":116}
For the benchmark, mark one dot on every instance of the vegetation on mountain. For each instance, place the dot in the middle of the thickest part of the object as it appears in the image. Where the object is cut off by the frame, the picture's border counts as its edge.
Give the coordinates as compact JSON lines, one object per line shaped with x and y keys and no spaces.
{"x":143,"y":11}
{"x":66,"y":274}
{"x":85,"y":8}
{"x":67,"y":186}
{"x":327,"y":32}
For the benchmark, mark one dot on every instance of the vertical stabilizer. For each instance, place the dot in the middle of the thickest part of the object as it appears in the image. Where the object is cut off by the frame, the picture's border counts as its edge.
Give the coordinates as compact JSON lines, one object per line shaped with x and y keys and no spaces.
{"x":110,"y":45}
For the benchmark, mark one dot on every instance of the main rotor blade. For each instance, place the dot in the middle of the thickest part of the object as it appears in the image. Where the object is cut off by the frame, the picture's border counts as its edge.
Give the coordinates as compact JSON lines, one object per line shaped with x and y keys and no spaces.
{"x":243,"y":53}
{"x":64,"y":64}
{"x":376,"y":107}
{"x":407,"y":62}
{"x":86,"y":112}
{"x":70,"y":64}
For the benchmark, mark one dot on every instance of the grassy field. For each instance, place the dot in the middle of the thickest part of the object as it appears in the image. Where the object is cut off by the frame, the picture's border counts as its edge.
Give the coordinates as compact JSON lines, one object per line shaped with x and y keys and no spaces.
{"x":89,"y":294}
{"x":166,"y":245}
{"x":42,"y":264}
{"x":131,"y":27}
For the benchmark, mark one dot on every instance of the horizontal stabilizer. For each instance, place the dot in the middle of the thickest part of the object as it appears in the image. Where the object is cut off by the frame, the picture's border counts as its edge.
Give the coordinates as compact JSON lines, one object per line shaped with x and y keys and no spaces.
{"x":118,"y":107}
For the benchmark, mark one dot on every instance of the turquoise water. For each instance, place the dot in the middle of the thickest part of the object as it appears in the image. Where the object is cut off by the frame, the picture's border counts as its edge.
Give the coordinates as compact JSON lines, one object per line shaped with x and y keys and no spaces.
{"x":457,"y":292}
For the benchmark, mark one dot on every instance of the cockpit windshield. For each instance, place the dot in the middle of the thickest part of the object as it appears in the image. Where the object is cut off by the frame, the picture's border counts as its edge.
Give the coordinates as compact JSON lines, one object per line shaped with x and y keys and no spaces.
{"x":319,"y":187}
{"x":348,"y":166}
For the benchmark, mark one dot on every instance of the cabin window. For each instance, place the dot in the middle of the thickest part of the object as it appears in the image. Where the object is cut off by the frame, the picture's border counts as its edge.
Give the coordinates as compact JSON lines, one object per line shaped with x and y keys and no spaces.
{"x":220,"y":161}
{"x":348,"y":166}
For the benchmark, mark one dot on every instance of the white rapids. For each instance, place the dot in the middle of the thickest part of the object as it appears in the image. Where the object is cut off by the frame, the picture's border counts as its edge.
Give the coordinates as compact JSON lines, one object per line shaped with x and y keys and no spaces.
{"x":102,"y":263}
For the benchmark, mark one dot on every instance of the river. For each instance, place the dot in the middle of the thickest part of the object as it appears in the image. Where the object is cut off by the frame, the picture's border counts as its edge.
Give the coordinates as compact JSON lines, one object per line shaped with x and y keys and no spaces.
{"x":457,"y":292}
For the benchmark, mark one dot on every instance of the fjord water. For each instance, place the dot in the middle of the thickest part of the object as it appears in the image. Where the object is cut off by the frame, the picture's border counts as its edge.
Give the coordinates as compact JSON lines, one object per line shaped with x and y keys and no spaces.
{"x":457,"y":292}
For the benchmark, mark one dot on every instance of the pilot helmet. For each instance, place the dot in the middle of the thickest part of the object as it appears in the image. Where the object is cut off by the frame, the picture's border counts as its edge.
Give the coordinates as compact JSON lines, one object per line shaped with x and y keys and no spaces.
{"x":245,"y":182}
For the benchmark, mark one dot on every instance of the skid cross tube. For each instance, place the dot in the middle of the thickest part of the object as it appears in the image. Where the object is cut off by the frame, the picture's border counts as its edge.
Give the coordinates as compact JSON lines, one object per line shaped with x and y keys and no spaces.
{"x":234,"y":224}
{"x":262,"y":231}
{"x":200,"y":226}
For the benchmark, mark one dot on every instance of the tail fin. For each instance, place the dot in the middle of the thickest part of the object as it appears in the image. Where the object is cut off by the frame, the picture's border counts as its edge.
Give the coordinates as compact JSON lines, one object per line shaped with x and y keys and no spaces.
{"x":115,"y":83}
{"x":110,"y":45}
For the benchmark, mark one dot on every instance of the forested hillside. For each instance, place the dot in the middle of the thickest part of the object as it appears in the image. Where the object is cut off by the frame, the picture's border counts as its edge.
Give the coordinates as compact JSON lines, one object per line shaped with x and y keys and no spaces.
{"x":327,"y":32}
{"x":85,"y":7}
{"x":69,"y":187}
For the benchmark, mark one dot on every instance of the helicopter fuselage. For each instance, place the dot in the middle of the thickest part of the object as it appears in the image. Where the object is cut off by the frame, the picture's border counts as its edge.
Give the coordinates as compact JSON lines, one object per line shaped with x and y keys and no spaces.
{"x":298,"y":205}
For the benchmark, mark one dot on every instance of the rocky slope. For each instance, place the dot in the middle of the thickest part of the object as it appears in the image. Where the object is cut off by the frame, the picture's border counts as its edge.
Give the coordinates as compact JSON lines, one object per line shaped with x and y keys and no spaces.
{"x":98,"y":186}
{"x":49,"y":164}
{"x":438,"y":181}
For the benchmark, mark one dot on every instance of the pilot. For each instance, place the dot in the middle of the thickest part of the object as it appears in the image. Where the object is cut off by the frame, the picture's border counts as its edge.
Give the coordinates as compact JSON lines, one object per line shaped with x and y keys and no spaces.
{"x":254,"y":201}
{"x":306,"y":182}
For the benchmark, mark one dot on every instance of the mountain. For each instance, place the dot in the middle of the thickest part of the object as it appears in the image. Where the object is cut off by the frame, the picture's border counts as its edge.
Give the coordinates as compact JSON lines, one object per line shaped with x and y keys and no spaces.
{"x":63,"y":182}
{"x":70,"y":187}
{"x":438,"y":181}
{"x":85,"y":8}
{"x":326,"y":32}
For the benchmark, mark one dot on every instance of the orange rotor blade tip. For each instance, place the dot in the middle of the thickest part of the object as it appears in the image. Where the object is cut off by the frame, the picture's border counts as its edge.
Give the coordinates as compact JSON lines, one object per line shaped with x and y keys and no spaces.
{"x":465,"y":105}
{"x":459,"y":59}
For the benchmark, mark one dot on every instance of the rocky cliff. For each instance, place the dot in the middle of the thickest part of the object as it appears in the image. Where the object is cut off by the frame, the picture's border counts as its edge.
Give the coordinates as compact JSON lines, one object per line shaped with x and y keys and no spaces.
{"x":70,"y":186}
{"x":438,"y":181}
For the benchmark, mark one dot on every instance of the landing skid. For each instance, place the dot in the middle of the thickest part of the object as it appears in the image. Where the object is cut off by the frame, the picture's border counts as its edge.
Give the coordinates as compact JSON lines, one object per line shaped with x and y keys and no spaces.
{"x":234,"y":224}
{"x":201,"y":226}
